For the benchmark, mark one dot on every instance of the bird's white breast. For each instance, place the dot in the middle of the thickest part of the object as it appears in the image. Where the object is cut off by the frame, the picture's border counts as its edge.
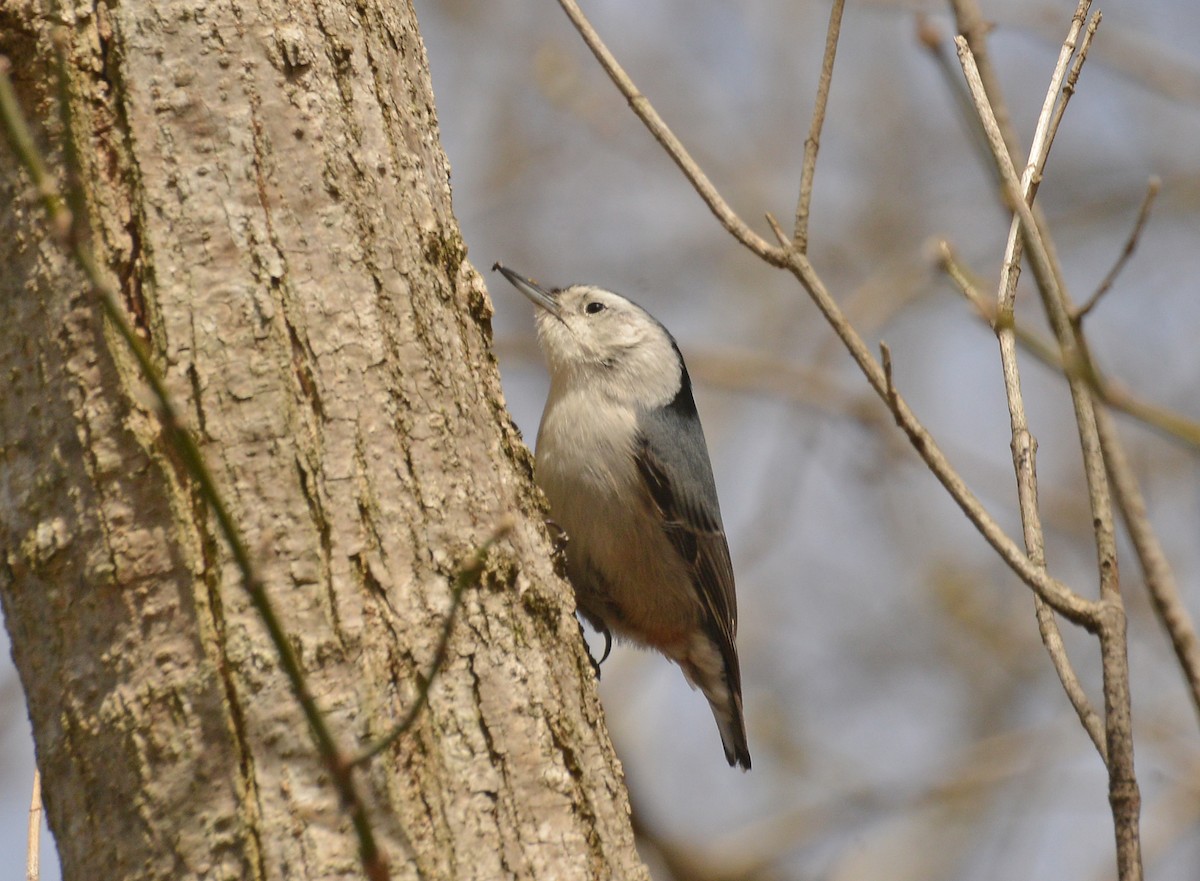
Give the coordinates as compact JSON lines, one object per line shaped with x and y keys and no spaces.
{"x":586,"y":467}
{"x":585,"y":454}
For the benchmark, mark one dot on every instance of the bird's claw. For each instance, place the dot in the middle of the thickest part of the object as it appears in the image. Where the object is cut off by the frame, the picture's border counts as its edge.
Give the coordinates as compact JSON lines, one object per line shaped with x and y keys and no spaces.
{"x":607,"y":646}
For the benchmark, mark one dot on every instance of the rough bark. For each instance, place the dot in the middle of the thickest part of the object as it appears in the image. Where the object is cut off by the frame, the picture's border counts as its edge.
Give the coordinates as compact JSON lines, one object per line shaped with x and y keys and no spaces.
{"x":265,"y":185}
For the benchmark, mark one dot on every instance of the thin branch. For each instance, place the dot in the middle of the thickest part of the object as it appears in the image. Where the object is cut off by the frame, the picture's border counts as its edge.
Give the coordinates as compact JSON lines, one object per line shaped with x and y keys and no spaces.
{"x":780,"y":235}
{"x":467,"y":576}
{"x":1052,"y":639}
{"x":1068,"y":88}
{"x":1124,"y":795}
{"x":1056,"y":307}
{"x":1131,"y":244}
{"x":1172,"y":425}
{"x":1072,"y":606}
{"x":1039,"y":151}
{"x":1055,"y":102}
{"x":812,"y":143}
{"x":1065,"y":601}
{"x":1024,"y":449}
{"x":1160,"y":579}
{"x":1024,"y":454}
{"x":1023,"y":443}
{"x":66,"y":226}
{"x":642,"y":107}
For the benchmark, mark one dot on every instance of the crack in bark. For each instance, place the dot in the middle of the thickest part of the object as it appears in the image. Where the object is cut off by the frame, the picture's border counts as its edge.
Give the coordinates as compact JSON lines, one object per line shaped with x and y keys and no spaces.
{"x":302,"y":358}
{"x":113,"y":155}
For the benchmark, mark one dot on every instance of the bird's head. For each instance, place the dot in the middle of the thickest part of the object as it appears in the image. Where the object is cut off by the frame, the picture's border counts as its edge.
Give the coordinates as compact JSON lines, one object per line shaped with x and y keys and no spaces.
{"x":600,"y":339}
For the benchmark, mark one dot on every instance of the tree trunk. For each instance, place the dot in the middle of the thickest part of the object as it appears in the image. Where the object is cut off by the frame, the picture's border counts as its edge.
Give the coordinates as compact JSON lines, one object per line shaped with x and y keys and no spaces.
{"x":265,"y":186}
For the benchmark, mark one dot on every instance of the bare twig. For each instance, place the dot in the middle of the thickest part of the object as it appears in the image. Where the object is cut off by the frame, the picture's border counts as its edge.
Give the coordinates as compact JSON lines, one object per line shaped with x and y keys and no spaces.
{"x":1131,"y":244}
{"x":1172,"y":425}
{"x":780,"y":235}
{"x":813,"y":142}
{"x":67,"y":229}
{"x":33,"y":841}
{"x":1160,"y":579}
{"x":1065,"y":601}
{"x":1024,"y":447}
{"x":467,"y":576}
{"x":1039,"y":151}
{"x":649,"y":116}
{"x":1024,"y":444}
{"x":1058,"y":94}
{"x":1057,"y":306}
{"x":1068,"y":88}
{"x":1124,"y":796}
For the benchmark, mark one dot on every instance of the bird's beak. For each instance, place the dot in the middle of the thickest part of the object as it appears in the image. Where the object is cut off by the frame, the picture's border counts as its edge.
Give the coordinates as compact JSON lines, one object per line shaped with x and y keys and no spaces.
{"x":539,"y":295}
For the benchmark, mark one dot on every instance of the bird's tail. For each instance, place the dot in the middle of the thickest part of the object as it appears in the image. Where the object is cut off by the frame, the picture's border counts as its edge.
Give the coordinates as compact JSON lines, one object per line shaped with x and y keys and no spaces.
{"x":716,"y":674}
{"x":733,"y":731}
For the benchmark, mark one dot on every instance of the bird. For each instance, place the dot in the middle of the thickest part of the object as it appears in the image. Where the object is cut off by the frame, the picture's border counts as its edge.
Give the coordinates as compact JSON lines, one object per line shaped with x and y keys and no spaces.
{"x":622,"y":461}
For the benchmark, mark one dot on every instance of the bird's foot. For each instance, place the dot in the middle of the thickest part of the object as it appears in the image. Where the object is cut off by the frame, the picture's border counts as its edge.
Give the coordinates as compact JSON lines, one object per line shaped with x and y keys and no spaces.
{"x":607,"y":634}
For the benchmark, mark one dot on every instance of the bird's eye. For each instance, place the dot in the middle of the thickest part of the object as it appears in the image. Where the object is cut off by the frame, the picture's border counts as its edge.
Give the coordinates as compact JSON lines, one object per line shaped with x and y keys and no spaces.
{"x":593,"y":307}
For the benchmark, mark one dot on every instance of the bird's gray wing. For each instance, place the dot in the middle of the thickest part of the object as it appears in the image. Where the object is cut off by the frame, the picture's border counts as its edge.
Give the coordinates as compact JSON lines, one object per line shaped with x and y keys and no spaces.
{"x":672,"y":460}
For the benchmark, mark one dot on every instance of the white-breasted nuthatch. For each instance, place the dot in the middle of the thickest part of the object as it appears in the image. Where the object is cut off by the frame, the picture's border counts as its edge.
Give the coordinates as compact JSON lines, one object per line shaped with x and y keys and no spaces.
{"x":622,"y":460}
